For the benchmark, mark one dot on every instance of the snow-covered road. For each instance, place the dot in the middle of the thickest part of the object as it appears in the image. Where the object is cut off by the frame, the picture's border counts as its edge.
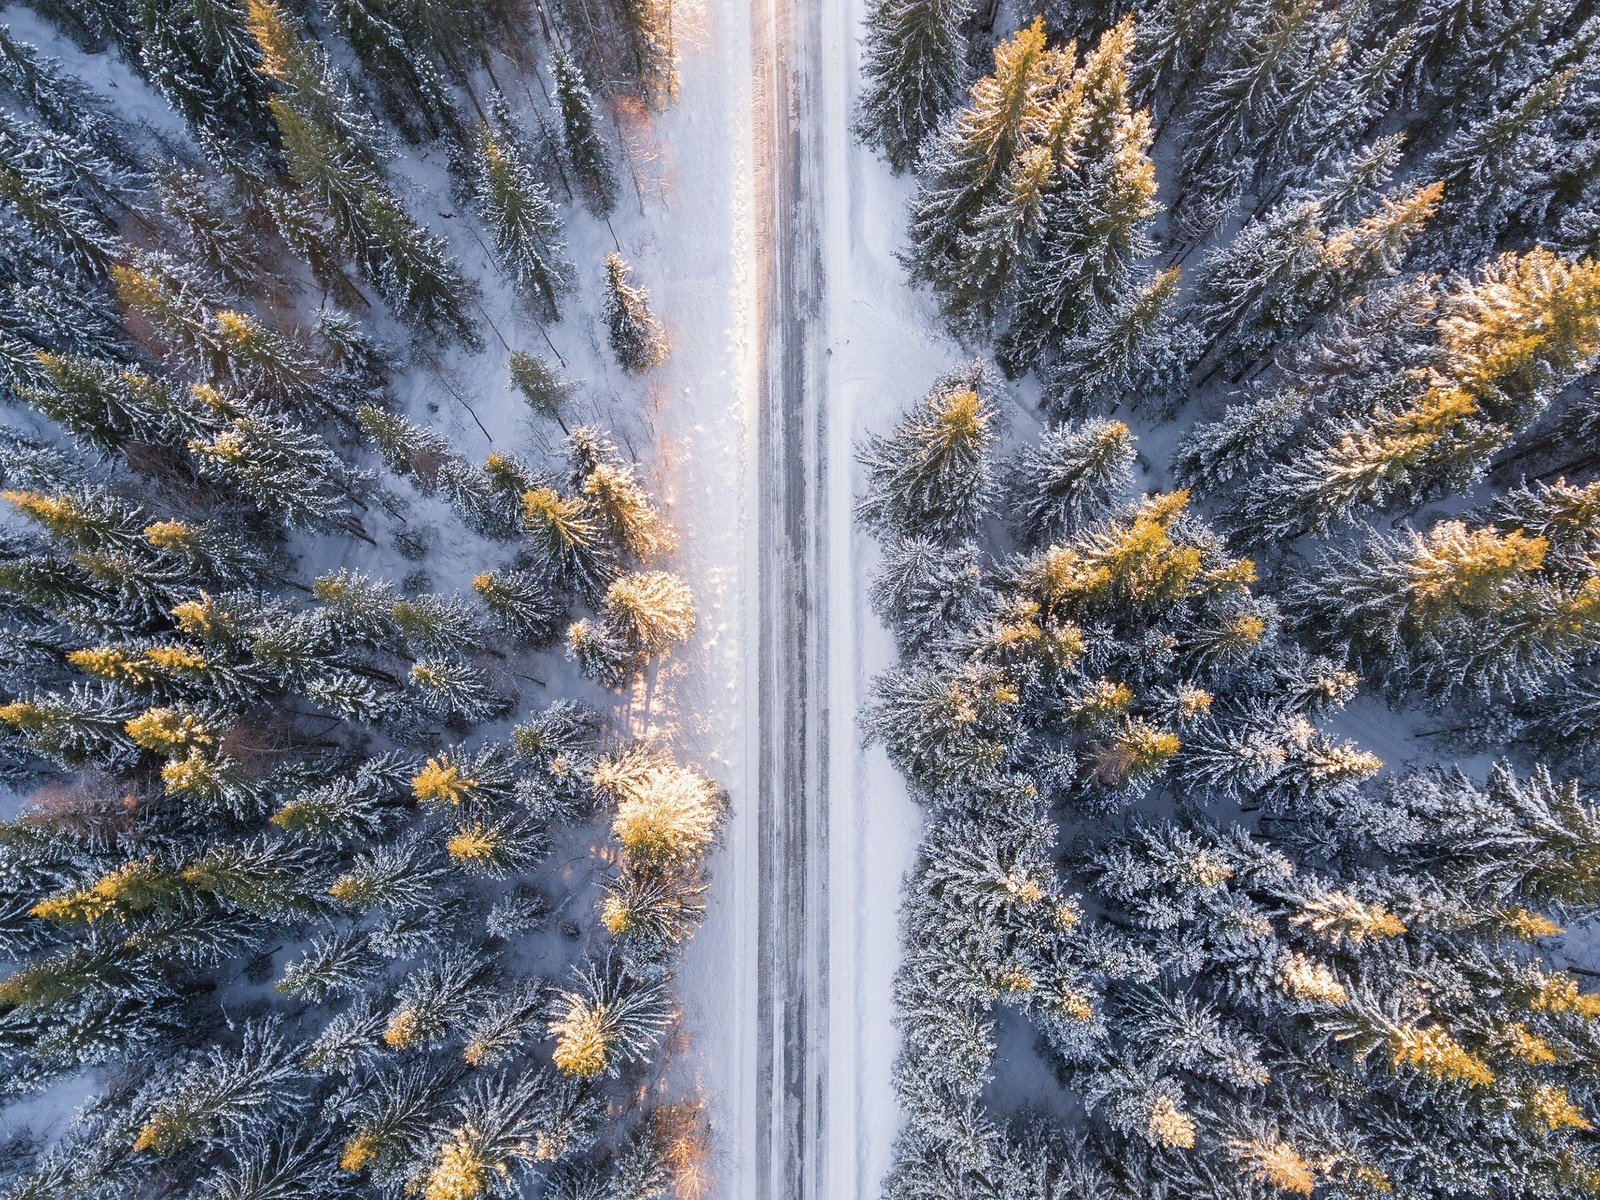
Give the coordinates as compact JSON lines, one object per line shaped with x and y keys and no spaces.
{"x":795,"y":529}
{"x":788,"y":987}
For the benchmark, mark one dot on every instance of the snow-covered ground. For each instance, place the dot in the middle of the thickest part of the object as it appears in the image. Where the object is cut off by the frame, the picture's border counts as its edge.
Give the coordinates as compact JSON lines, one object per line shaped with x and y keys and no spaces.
{"x":883,"y":354}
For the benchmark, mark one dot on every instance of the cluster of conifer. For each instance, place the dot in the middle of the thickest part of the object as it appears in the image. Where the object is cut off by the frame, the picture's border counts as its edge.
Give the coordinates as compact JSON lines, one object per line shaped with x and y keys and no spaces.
{"x":1260,"y":960}
{"x":281,"y":899}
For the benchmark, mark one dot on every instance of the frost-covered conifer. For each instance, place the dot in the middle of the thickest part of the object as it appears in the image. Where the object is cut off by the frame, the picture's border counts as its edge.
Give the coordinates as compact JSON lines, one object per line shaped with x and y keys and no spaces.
{"x":285,"y":470}
{"x":666,"y":813}
{"x":335,"y":964}
{"x":545,"y":389}
{"x":930,"y":476}
{"x":434,"y":1002}
{"x":506,"y":1023}
{"x":200,"y":55}
{"x":226,"y":1094}
{"x":650,"y":912}
{"x":523,"y":218}
{"x":522,"y":602}
{"x":966,"y":167}
{"x":1132,"y":350}
{"x":1073,"y":475}
{"x":1456,"y":608}
{"x":924,"y":590}
{"x":412,"y":91}
{"x":913,"y":68}
{"x":1095,"y":221}
{"x":607,"y":1019}
{"x":586,"y":151}
{"x":653,"y":611}
{"x":637,"y":338}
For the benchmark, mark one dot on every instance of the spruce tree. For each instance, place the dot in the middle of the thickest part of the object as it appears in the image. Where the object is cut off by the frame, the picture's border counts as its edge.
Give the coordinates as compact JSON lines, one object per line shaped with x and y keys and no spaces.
{"x":968,"y":167}
{"x":931,"y":475}
{"x":637,"y":338}
{"x":586,"y":151}
{"x":1071,"y":477}
{"x":912,"y":65}
{"x":545,"y":389}
{"x":523,"y":218}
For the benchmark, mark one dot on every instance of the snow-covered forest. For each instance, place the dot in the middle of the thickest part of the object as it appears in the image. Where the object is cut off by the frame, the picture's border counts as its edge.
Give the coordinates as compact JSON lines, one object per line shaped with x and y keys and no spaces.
{"x":1244,"y":586}
{"x":347,"y":850}
{"x":799,"y":599}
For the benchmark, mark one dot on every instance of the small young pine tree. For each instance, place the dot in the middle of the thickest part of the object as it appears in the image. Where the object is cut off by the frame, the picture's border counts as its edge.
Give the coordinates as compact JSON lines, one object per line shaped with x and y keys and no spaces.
{"x":637,"y":338}
{"x":545,"y":389}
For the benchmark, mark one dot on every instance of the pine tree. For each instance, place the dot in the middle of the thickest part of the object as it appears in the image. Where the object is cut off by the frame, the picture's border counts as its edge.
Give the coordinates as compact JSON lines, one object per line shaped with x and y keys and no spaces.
{"x":201,"y":57}
{"x":412,"y":269}
{"x":524,"y":219}
{"x":970,"y":161}
{"x":930,"y":476}
{"x":637,"y":338}
{"x":1095,"y":223}
{"x":336,"y":964}
{"x":225,"y":1093}
{"x":650,"y":41}
{"x":506,"y":1024}
{"x":1240,"y":440}
{"x":429,"y":624}
{"x":1270,"y":268}
{"x":912,"y":65}
{"x":74,"y":729}
{"x":1452,"y":608}
{"x":107,"y":407}
{"x":606,"y":1020}
{"x":413,"y":94}
{"x":545,"y":389}
{"x":523,"y":603}
{"x":453,"y":687}
{"x":500,"y":849}
{"x":1072,"y":476}
{"x":602,"y":653}
{"x":665,"y":813}
{"x":336,"y":155}
{"x":41,"y":205}
{"x":649,"y":913}
{"x":1482,"y":164}
{"x":62,"y":101}
{"x":586,"y":151}
{"x":652,"y":611}
{"x":566,"y":532}
{"x":283,"y":469}
{"x":946,"y":730}
{"x":435,"y":1001}
{"x":1511,"y":841}
{"x":392,"y":877}
{"x":499,"y":1131}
